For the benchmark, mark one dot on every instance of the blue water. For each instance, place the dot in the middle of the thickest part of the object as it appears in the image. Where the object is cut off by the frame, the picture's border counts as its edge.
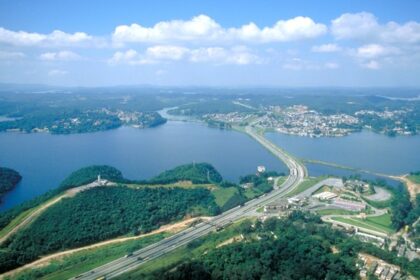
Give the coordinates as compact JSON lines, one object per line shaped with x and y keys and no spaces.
{"x":44,"y":160}
{"x":364,"y":150}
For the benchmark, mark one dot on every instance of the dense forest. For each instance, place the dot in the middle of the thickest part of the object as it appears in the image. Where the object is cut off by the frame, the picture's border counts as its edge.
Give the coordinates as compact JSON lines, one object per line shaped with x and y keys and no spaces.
{"x":197,"y":173}
{"x":89,"y":174}
{"x":9,"y":178}
{"x":260,"y":181}
{"x":106,"y":212}
{"x":413,"y":217}
{"x":80,"y":177}
{"x":100,"y":214}
{"x":192,"y":172}
{"x":299,"y":247}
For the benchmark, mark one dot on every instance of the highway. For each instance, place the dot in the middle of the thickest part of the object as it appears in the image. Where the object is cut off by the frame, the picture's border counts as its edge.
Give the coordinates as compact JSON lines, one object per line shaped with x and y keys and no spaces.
{"x":124,"y":264}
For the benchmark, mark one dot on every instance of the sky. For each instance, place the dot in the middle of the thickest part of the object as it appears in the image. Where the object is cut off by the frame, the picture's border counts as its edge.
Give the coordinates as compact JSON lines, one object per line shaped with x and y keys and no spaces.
{"x":211,"y":43}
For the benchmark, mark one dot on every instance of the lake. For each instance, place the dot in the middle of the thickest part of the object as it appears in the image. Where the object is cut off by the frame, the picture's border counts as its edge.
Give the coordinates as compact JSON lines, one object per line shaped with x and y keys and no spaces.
{"x":44,"y":160}
{"x":364,"y":150}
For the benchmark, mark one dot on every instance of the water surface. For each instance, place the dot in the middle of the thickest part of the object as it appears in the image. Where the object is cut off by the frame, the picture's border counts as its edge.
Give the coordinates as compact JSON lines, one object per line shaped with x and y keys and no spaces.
{"x":363,"y":150}
{"x":44,"y":160}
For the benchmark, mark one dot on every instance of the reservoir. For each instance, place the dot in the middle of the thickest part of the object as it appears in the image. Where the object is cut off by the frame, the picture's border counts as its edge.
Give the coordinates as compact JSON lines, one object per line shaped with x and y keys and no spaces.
{"x":363,"y":150}
{"x":44,"y":160}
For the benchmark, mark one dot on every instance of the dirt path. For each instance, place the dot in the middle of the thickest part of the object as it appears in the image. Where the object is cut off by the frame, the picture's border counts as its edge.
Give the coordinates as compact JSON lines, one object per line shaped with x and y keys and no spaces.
{"x":31,"y":217}
{"x":172,"y":228}
{"x":69,"y":193}
{"x":412,"y":187}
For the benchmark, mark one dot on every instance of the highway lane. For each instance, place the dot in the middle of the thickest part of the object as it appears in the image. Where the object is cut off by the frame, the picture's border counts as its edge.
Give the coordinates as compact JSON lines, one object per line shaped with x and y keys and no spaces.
{"x":124,"y":264}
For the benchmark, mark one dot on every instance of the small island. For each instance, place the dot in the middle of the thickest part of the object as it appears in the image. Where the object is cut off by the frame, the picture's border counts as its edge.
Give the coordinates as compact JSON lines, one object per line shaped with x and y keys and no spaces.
{"x":9,"y":178}
{"x":77,"y":121}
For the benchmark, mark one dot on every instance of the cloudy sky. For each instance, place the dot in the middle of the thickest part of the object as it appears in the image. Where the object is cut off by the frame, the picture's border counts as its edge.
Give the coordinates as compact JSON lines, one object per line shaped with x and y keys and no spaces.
{"x":211,"y":43}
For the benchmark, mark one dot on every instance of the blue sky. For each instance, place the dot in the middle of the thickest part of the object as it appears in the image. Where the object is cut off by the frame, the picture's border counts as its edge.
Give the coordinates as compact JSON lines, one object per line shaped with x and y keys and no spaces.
{"x":210,"y":43}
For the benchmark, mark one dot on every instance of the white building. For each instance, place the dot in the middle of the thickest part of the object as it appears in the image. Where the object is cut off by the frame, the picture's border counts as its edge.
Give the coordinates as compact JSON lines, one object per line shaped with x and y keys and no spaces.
{"x":261,"y":169}
{"x":325,"y":195}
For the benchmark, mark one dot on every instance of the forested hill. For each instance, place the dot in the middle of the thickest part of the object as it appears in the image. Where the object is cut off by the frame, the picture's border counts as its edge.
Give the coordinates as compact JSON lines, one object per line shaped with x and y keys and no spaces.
{"x":197,"y":173}
{"x":127,"y":208}
{"x":89,"y":174}
{"x":9,"y":178}
{"x":297,"y":247}
{"x":101,"y":213}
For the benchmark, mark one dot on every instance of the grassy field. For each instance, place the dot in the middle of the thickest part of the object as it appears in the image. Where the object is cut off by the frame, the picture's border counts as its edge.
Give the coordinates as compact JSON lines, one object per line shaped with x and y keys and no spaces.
{"x":380,"y":223}
{"x":306,"y":184}
{"x":222,"y":195}
{"x":281,"y":180}
{"x":83,"y":261}
{"x":194,"y":249}
{"x":252,"y":193}
{"x":325,"y":212}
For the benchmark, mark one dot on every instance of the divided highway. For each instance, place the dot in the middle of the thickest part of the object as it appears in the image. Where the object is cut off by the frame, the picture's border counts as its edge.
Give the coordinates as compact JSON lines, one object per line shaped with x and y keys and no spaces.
{"x":124,"y":264}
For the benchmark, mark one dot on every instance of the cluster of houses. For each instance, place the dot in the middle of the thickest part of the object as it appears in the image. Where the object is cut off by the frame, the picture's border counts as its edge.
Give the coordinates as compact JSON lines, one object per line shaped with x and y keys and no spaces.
{"x":380,"y":270}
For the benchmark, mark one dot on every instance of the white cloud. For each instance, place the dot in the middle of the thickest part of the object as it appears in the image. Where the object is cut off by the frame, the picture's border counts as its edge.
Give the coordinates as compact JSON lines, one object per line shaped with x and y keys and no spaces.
{"x":351,"y":26}
{"x":326,"y":48}
{"x":237,"y":55}
{"x":365,"y":26}
{"x":61,"y":55}
{"x":282,"y":31}
{"x":375,"y":50}
{"x":198,"y":27}
{"x":11,"y":55}
{"x":372,"y":64}
{"x":131,"y":57}
{"x":162,"y":53}
{"x":53,"y":39}
{"x":408,"y":32}
{"x":202,"y":28}
{"x":57,"y":72}
{"x":166,"y":52}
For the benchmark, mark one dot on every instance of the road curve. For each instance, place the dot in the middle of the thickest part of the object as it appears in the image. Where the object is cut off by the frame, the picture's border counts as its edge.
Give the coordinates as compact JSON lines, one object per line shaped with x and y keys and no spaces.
{"x":124,"y":264}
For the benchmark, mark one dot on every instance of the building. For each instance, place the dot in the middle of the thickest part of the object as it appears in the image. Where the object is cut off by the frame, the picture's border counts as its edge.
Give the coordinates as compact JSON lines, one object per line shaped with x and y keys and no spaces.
{"x":349,"y":205}
{"x":325,"y":195}
{"x":247,"y":185}
{"x":293,"y":200}
{"x":100,"y":181}
{"x":261,"y":169}
{"x":277,"y":206}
